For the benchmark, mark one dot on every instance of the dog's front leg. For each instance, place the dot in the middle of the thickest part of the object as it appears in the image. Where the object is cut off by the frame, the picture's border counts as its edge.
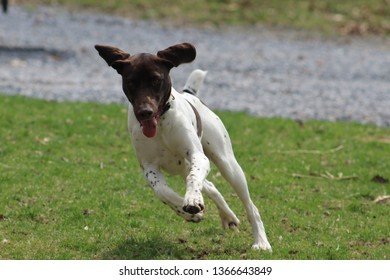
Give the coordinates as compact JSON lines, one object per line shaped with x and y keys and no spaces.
{"x":157,"y":182}
{"x":198,"y":170}
{"x":183,"y":139}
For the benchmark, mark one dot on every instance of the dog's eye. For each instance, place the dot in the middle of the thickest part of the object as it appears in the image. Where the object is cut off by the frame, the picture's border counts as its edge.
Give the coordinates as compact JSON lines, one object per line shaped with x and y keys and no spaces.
{"x":132,"y":87}
{"x":156,"y":83}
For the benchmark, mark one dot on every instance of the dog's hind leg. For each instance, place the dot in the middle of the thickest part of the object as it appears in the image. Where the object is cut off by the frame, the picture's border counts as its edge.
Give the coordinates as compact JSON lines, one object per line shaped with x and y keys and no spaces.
{"x":233,"y":173}
{"x":218,"y":148}
{"x":169,"y":197}
{"x":228,"y":218}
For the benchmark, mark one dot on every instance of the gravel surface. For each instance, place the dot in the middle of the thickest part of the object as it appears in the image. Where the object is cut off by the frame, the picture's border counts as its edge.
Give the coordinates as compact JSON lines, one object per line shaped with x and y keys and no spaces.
{"x":48,"y":53}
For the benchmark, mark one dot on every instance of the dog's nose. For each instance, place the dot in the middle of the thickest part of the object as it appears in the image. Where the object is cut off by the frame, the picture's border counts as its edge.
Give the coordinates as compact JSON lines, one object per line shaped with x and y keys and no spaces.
{"x":145,"y":113}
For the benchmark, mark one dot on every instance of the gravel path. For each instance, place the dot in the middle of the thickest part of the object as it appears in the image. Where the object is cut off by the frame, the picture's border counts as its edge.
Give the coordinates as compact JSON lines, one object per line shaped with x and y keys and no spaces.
{"x":48,"y":53}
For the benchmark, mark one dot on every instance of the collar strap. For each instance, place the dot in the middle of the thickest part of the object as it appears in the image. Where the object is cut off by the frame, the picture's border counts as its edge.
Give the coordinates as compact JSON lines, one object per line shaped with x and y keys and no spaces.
{"x":165,"y":108}
{"x":199,"y":127}
{"x":167,"y":105}
{"x":190,"y":90}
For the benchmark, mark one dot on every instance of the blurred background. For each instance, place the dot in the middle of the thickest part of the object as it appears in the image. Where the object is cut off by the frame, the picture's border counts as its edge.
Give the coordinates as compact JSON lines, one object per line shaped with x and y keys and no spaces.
{"x":300,"y":59}
{"x":331,"y":16}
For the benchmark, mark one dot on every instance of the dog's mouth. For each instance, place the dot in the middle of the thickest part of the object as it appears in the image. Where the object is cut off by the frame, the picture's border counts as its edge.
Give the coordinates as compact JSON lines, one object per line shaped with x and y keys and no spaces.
{"x":149,"y":127}
{"x":149,"y":119}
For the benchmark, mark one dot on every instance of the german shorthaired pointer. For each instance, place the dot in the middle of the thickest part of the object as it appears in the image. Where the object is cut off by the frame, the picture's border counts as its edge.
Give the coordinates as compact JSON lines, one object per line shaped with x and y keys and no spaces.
{"x":177,"y":133}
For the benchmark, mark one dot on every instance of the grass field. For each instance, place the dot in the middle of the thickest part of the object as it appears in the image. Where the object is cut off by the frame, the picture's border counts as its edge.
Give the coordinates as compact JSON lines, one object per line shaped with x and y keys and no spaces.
{"x":330,"y":16}
{"x":70,"y":188}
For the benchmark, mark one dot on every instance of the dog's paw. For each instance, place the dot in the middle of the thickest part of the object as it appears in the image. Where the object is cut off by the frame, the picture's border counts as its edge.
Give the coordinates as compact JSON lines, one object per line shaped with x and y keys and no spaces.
{"x":234,"y":226}
{"x":194,"y":218}
{"x":193,"y":209}
{"x":265,"y":246}
{"x":193,"y":202}
{"x":230,"y":221}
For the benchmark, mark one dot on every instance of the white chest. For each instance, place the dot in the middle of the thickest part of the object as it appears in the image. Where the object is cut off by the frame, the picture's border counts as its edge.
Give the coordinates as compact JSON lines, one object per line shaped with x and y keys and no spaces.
{"x":155,"y":151}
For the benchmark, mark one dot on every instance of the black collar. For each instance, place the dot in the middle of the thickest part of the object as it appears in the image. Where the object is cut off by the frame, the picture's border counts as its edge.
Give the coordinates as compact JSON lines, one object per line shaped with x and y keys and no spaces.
{"x":165,"y":108}
{"x":190,"y":91}
{"x":167,"y":105}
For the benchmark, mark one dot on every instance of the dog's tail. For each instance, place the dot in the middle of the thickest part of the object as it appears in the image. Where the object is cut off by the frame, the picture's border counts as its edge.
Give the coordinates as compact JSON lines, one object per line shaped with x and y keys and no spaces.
{"x":194,"y":82}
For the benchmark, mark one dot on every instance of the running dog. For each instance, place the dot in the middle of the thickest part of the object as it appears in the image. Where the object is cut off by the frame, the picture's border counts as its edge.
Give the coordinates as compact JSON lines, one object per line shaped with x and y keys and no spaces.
{"x":176,"y":133}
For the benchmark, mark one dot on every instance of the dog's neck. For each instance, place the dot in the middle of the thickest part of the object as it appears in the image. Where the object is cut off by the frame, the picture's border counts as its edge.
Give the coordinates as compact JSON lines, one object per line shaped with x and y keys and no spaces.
{"x":167,"y":104}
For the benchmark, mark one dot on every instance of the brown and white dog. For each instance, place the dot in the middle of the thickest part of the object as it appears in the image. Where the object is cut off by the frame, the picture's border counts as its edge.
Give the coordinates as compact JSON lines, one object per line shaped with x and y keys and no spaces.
{"x":177,"y":133}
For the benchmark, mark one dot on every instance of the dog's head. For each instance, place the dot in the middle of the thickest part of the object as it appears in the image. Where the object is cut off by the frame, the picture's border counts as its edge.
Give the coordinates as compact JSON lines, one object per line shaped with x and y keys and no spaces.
{"x":145,"y":79}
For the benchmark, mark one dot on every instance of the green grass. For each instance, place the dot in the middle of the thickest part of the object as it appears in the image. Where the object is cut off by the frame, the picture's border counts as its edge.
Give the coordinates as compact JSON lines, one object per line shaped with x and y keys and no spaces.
{"x":70,"y":188}
{"x":330,"y":16}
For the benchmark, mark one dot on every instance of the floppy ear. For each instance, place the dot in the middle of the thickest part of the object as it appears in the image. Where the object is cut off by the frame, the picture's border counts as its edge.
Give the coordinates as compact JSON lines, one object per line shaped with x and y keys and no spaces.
{"x":114,"y":57}
{"x":178,"y":54}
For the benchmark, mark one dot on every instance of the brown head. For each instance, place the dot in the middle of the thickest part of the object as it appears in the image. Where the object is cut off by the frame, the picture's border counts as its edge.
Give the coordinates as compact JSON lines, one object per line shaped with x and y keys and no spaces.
{"x":145,"y":79}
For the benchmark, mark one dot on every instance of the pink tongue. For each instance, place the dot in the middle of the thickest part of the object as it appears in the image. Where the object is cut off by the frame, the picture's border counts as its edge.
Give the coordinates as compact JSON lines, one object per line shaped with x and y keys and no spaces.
{"x":149,"y":127}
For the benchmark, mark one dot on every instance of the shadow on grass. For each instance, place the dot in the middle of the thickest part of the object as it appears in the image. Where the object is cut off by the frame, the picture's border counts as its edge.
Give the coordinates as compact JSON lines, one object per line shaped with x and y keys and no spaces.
{"x":147,"y":248}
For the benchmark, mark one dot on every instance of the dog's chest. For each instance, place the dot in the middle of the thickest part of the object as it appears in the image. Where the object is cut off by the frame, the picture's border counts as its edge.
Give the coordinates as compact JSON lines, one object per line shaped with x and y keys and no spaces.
{"x":172,"y":163}
{"x":156,"y":152}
